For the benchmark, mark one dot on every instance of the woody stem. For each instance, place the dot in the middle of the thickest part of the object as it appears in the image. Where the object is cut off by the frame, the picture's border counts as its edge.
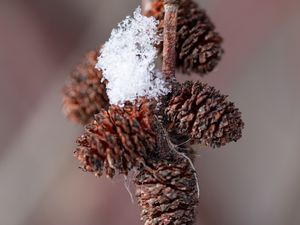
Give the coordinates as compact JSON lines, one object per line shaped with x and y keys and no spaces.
{"x":170,"y":25}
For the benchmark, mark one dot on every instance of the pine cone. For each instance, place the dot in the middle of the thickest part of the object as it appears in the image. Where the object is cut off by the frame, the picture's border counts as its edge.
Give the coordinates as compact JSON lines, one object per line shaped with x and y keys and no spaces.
{"x":118,"y":140}
{"x":198,"y":46}
{"x":84,"y":92}
{"x":204,"y":115}
{"x":167,"y":193}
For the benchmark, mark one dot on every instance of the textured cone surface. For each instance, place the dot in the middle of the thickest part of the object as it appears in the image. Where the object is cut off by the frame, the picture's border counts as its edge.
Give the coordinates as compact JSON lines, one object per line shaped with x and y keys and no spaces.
{"x":84,"y":93}
{"x":204,"y":115}
{"x":117,"y":140}
{"x":198,"y":46}
{"x":167,"y":193}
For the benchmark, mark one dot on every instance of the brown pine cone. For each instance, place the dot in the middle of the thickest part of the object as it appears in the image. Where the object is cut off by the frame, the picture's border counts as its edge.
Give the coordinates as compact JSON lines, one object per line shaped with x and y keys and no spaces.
{"x":201,"y":113}
{"x":167,"y":193}
{"x":84,"y":92}
{"x":118,"y":140}
{"x":198,"y":46}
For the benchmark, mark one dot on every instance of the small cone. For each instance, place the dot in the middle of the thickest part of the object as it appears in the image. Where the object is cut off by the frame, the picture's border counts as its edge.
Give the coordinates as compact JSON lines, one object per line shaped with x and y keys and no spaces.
{"x":117,"y":140}
{"x":85,"y":92}
{"x":167,"y":193}
{"x":204,"y":115}
{"x":198,"y":46}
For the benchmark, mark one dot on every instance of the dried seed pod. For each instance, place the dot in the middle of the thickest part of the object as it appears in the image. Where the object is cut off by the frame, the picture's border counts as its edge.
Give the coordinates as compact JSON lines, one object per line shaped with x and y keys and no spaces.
{"x":204,"y":115}
{"x":85,"y":92}
{"x":198,"y":46}
{"x":167,"y":193}
{"x":117,"y":140}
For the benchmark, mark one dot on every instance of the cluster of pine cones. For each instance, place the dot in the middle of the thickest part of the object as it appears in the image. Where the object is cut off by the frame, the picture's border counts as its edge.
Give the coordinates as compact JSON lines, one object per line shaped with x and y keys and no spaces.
{"x":146,"y":137}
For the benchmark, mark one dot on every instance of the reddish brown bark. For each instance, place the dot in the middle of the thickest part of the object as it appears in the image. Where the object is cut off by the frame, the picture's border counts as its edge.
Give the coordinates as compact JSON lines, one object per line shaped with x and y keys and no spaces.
{"x":170,"y":24}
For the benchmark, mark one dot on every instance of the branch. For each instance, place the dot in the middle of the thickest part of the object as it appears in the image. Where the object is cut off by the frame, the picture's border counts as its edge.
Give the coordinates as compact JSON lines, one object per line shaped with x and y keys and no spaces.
{"x":170,"y":25}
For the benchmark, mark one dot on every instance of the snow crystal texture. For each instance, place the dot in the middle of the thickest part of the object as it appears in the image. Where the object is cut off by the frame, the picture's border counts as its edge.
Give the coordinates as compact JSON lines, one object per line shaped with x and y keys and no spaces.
{"x":127,"y":60}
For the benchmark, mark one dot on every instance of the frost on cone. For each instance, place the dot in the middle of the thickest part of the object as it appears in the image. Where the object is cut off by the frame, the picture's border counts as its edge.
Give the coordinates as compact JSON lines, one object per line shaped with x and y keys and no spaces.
{"x":198,"y":46}
{"x":84,"y":93}
{"x":167,"y":193}
{"x":204,"y":115}
{"x":118,"y":140}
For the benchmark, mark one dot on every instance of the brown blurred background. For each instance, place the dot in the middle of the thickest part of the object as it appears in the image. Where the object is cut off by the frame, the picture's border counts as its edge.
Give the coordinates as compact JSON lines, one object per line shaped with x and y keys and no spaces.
{"x":255,"y":181}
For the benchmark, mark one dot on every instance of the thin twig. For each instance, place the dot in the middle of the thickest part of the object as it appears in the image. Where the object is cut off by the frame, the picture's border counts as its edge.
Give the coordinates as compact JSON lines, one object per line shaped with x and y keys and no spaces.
{"x":170,"y":25}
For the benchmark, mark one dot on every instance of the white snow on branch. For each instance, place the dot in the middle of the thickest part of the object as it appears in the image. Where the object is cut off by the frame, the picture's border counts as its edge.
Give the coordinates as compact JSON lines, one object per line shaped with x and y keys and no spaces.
{"x":127,"y":60}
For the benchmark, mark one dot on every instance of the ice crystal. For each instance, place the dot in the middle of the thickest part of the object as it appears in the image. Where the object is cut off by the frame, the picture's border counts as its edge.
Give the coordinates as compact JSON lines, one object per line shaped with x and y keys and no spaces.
{"x":128,"y":60}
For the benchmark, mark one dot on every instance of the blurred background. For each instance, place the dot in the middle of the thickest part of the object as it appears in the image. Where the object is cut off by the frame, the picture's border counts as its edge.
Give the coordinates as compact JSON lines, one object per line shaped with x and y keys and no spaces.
{"x":255,"y":181}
